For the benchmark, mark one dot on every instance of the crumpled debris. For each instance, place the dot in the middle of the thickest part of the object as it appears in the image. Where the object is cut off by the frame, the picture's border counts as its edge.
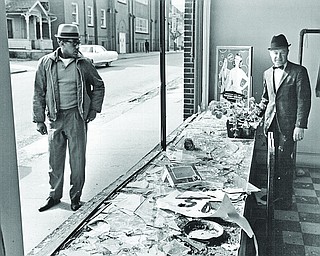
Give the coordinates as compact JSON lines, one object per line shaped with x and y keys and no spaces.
{"x":230,"y":247}
{"x":98,"y":227}
{"x":153,"y":251}
{"x":138,"y":184}
{"x":202,"y":209}
{"x":70,"y":252}
{"x":175,"y":248}
{"x":128,"y":202}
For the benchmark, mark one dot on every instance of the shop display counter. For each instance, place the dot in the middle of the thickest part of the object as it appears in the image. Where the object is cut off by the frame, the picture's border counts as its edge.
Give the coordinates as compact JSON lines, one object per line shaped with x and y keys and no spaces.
{"x":187,"y":200}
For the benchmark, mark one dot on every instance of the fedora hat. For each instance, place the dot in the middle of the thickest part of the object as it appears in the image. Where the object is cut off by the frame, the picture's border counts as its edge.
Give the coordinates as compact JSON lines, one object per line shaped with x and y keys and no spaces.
{"x":279,"y":41}
{"x":68,"y":31}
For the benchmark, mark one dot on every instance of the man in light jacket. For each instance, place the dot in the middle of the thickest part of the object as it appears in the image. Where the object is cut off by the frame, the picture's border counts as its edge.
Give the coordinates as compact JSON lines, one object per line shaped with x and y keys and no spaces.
{"x":68,"y":91}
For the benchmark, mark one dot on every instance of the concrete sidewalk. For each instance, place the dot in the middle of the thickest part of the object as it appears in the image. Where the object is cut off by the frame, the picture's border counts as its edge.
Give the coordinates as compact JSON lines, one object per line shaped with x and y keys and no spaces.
{"x":113,"y":148}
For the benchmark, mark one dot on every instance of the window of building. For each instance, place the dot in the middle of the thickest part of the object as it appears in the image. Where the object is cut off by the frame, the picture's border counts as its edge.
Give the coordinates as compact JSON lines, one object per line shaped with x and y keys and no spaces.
{"x":142,"y":1}
{"x":103,"y":18}
{"x":90,"y":16}
{"x":75,"y":13}
{"x":141,"y":25}
{"x":10,"y":28}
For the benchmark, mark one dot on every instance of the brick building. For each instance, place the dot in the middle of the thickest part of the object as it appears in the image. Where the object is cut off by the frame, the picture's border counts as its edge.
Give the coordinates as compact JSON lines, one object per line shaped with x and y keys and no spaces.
{"x":189,"y":63}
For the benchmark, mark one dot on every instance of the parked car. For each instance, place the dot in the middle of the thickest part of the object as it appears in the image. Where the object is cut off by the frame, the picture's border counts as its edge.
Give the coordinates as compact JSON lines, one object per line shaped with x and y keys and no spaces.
{"x":98,"y":54}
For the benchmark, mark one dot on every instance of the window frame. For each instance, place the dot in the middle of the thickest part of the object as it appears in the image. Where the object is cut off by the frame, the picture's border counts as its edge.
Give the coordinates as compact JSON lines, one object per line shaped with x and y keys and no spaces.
{"x":145,"y":2}
{"x":90,"y":16}
{"x":103,"y":18}
{"x":10,"y":28}
{"x":141,"y":25}
{"x":75,"y":14}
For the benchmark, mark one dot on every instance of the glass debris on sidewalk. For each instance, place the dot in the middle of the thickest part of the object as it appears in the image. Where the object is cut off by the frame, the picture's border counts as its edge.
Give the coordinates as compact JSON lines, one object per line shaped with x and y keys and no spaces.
{"x":150,"y":216}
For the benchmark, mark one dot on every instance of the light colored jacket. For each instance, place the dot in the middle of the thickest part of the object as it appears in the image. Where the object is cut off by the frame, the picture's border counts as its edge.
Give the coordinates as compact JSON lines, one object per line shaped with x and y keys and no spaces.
{"x":90,"y":88}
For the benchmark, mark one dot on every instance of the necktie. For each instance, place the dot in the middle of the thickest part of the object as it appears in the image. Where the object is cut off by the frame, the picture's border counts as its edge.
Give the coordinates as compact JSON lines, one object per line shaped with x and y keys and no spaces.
{"x":274,"y":82}
{"x":280,"y":67}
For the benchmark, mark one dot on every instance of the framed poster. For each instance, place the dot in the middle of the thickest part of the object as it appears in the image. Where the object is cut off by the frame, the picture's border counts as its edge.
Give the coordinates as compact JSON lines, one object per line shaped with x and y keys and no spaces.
{"x":233,"y":72}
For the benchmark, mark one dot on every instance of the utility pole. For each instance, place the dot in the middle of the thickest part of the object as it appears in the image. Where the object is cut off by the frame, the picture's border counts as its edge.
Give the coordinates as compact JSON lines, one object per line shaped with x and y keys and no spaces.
{"x":10,"y":208}
{"x":150,"y":25}
{"x":131,"y":26}
{"x":85,"y":22}
{"x":114,"y":24}
{"x":95,"y":22}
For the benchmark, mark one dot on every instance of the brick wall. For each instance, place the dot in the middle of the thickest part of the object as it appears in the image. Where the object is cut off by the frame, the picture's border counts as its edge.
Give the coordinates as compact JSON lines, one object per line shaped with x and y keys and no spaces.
{"x":189,"y":85}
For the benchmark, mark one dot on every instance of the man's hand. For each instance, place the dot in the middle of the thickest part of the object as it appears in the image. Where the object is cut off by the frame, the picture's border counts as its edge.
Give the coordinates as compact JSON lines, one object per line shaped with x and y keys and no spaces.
{"x":91,"y":116}
{"x":298,"y":134}
{"x":42,"y":128}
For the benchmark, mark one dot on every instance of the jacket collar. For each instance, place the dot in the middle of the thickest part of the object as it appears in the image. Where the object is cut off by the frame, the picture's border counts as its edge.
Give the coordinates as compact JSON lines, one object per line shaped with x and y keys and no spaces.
{"x":286,"y":71}
{"x":55,"y":55}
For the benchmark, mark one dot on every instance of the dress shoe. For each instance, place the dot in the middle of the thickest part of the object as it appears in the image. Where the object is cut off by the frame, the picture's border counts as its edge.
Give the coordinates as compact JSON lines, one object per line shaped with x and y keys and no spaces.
{"x":75,"y":205}
{"x":300,"y":172}
{"x":49,"y":203}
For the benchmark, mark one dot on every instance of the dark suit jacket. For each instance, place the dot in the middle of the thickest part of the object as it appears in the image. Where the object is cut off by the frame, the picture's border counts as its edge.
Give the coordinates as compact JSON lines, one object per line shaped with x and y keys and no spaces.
{"x":291,"y":104}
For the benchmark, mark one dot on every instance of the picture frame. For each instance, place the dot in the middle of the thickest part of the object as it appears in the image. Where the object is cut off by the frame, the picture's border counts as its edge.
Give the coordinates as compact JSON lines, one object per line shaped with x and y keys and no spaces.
{"x":233,"y":79}
{"x":181,"y":174}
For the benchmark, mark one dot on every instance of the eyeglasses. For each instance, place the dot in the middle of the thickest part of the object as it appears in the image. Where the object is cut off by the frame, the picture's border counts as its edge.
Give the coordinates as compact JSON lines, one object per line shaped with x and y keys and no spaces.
{"x":73,"y":42}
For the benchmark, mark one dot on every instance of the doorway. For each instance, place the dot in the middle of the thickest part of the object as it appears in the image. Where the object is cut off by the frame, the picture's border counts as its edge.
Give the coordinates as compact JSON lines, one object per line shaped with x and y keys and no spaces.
{"x":122,"y":42}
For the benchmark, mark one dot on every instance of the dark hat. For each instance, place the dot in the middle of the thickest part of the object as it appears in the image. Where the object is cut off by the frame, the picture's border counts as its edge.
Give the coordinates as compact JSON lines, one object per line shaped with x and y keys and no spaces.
{"x":68,"y":31}
{"x":279,"y":41}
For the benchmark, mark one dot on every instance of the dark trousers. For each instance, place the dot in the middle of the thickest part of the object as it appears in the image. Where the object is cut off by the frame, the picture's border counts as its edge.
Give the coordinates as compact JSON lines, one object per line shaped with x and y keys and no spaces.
{"x":285,"y":164}
{"x":68,"y":130}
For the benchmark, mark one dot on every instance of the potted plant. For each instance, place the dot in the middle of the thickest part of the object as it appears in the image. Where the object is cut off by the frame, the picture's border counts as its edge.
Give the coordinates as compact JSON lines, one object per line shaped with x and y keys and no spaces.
{"x":242,"y":120}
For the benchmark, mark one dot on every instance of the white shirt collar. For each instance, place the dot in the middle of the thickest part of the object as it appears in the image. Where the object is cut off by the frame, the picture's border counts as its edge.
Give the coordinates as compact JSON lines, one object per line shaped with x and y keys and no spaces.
{"x":66,"y":61}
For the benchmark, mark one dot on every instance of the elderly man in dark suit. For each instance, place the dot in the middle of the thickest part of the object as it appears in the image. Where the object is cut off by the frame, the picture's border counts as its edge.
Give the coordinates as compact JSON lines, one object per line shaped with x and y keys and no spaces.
{"x":286,"y":102}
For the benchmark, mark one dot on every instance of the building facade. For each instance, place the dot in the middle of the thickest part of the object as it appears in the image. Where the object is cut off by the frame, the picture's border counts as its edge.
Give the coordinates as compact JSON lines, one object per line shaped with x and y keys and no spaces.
{"x":29,"y":24}
{"x":176,"y":29}
{"x":120,"y":25}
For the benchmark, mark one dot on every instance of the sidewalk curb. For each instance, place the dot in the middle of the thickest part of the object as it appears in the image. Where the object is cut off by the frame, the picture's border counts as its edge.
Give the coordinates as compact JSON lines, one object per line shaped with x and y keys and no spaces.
{"x":142,"y":54}
{"x":122,"y":56}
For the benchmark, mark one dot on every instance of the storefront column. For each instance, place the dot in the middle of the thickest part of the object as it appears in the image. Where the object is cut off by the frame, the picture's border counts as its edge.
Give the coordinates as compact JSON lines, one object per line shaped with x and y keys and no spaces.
{"x":10,"y":208}
{"x":163,"y":111}
{"x":206,"y":53}
{"x":202,"y":49}
{"x":2,"y":250}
